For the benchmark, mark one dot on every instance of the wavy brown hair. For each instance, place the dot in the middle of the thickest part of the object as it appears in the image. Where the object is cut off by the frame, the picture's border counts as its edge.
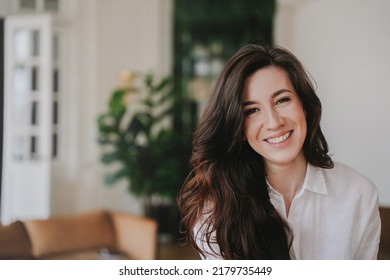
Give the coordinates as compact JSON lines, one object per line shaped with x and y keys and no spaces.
{"x":227,"y":183}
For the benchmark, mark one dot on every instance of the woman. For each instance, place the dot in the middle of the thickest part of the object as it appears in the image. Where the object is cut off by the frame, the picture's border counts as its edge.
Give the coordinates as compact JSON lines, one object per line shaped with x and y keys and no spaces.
{"x":263,"y":185}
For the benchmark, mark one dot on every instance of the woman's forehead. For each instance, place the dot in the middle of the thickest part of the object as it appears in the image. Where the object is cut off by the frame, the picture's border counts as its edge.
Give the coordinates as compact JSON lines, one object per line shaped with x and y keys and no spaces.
{"x":267,"y":83}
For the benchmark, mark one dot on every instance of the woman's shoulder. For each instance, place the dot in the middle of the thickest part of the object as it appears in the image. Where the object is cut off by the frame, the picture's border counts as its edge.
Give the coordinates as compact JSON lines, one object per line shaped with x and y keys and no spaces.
{"x":343,"y":175}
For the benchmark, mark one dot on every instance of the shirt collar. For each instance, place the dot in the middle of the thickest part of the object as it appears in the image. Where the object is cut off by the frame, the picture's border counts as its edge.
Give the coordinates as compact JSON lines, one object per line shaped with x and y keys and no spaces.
{"x":314,"y":181}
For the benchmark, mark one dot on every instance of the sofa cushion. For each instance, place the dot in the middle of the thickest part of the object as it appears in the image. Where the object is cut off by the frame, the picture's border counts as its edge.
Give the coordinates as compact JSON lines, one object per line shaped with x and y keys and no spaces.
{"x":143,"y":231}
{"x":14,"y":242}
{"x":70,"y":233}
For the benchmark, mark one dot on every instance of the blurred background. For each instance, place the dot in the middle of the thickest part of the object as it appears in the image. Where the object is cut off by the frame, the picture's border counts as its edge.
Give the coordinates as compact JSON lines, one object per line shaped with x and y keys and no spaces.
{"x":84,"y":80}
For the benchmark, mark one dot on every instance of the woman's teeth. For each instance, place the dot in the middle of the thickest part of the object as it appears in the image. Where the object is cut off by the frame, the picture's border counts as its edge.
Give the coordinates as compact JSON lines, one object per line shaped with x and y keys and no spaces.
{"x":279,"y":139}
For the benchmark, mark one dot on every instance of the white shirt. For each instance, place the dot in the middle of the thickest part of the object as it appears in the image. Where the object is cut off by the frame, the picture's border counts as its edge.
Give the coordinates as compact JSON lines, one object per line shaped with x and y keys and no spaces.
{"x":334,"y":215}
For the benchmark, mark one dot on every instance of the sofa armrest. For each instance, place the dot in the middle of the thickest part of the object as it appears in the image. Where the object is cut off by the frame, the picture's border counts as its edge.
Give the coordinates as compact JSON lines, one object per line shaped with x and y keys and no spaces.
{"x":136,"y":236}
{"x":384,"y":246}
{"x":14,"y":242}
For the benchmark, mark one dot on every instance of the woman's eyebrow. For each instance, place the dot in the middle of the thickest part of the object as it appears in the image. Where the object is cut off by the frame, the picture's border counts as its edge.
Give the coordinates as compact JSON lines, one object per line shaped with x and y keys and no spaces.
{"x":279,"y":92}
{"x":247,"y":103}
{"x":275,"y":94}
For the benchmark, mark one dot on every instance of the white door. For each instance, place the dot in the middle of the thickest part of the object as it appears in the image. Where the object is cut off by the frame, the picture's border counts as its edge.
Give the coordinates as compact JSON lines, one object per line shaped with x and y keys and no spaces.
{"x":27,"y":118}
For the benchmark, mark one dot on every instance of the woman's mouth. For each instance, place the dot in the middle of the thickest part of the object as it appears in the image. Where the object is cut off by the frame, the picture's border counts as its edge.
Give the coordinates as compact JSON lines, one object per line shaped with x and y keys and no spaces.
{"x":279,"y":139}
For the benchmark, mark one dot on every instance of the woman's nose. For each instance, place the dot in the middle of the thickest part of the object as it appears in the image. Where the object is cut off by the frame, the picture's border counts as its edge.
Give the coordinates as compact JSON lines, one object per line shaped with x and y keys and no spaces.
{"x":273,"y":119}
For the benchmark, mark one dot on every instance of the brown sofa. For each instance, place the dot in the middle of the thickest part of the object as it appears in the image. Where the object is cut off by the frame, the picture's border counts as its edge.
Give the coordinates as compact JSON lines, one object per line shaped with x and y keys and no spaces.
{"x":94,"y":235}
{"x":384,"y":247}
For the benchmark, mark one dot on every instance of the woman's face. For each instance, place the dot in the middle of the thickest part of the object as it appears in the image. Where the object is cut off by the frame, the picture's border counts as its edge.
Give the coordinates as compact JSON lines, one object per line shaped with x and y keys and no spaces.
{"x":275,"y":121}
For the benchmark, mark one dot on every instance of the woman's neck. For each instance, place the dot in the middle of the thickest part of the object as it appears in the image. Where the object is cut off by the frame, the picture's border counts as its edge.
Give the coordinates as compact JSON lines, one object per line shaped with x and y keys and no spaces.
{"x":287,"y":179}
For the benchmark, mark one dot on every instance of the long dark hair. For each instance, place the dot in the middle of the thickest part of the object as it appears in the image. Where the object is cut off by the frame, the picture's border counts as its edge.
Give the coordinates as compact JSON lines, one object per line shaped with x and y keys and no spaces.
{"x":227,"y":183}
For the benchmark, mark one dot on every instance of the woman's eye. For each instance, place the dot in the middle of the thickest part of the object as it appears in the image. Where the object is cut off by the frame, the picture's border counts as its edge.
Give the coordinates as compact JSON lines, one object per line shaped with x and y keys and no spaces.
{"x":283,"y":100}
{"x":251,"y":111}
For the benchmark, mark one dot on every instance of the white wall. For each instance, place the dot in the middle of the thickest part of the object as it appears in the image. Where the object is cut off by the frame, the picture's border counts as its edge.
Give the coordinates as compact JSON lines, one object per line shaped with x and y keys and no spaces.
{"x":131,"y":35}
{"x":106,"y":36}
{"x":345,"y":45}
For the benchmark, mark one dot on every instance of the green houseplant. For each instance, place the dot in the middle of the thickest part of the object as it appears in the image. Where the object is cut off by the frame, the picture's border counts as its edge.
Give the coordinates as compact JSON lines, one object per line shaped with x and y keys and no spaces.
{"x":137,"y":135}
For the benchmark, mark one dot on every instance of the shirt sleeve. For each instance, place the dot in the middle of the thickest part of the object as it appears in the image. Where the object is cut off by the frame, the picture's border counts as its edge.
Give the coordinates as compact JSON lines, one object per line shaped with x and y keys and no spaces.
{"x":369,"y":246}
{"x":211,"y":251}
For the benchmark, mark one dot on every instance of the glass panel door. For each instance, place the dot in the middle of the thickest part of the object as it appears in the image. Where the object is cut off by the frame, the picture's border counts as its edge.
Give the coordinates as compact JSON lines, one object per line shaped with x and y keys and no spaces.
{"x":27,"y":118}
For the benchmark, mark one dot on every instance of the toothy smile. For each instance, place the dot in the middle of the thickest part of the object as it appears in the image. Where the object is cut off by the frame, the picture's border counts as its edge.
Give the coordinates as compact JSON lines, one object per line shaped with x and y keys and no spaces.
{"x":279,"y":139}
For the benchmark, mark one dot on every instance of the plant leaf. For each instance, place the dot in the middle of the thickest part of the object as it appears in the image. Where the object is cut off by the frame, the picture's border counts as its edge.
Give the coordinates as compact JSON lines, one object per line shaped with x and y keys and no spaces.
{"x":114,"y":178}
{"x":116,"y":105}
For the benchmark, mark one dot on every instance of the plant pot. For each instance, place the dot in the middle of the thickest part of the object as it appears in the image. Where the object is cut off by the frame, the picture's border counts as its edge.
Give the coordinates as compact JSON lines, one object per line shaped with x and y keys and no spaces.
{"x":167,"y":217}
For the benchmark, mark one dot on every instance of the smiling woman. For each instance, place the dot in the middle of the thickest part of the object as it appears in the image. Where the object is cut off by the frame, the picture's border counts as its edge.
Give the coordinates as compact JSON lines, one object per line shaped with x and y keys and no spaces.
{"x":263,"y":185}
{"x":275,"y":125}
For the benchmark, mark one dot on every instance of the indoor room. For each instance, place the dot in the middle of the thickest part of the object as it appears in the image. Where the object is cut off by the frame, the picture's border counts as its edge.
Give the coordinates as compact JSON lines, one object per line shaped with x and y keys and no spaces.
{"x":100,"y":100}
